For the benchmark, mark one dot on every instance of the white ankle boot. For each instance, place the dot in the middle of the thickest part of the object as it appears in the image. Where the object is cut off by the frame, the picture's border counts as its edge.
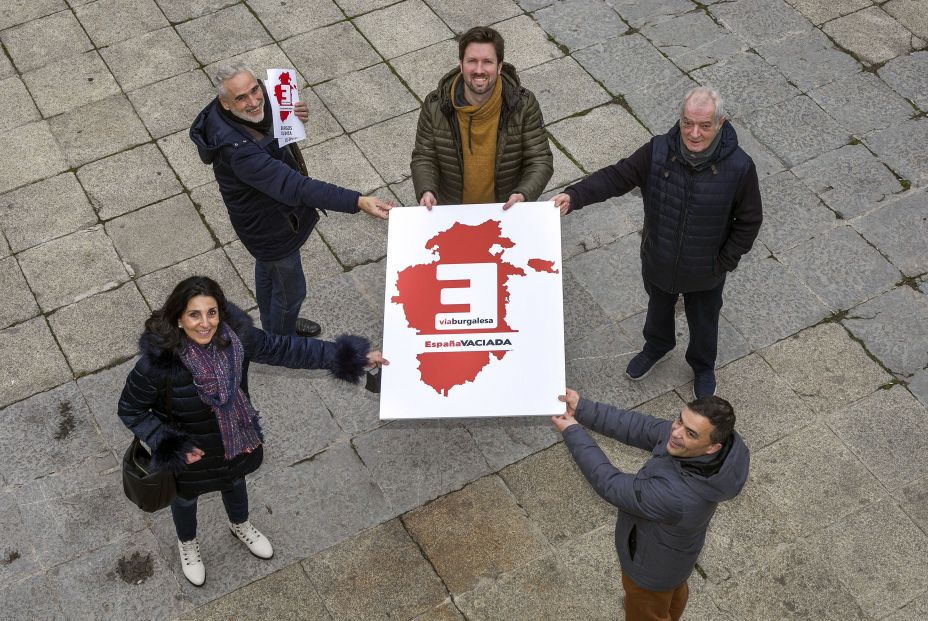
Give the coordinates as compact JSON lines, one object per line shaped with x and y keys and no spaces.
{"x":252,"y":537}
{"x":190,"y":561}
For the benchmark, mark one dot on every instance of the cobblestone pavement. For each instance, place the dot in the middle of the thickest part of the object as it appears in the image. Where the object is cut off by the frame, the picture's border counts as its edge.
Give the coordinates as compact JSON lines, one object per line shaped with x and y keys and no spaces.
{"x":104,"y":206}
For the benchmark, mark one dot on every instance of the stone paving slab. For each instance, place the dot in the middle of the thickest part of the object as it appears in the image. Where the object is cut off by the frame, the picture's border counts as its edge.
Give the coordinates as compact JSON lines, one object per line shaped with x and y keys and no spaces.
{"x":841,"y":268}
{"x":894,"y":328}
{"x":98,"y":129}
{"x":808,"y":59}
{"x":380,"y":574}
{"x":386,"y":97}
{"x":208,"y":201}
{"x":18,"y":555}
{"x":841,"y":485}
{"x":503,"y":441}
{"x":760,"y":22}
{"x":29,"y":153}
{"x":73,"y":82}
{"x":792,"y":585}
{"x":287,"y":595}
{"x":551,"y":80}
{"x":601,"y":137}
{"x":88,"y":337}
{"x":792,"y":213}
{"x":21,"y":109}
{"x":765,"y":288}
{"x":904,"y":245}
{"x":42,"y":41}
{"x":745,"y":533}
{"x":878,"y":430}
{"x":32,"y":596}
{"x":414,"y":462}
{"x":693,"y":40}
{"x":640,"y":15}
{"x":872,"y":35}
{"x":655,"y":106}
{"x":460,"y":15}
{"x":32,"y":359}
{"x":101,"y":392}
{"x":730,"y":76}
{"x":93,"y":587}
{"x":544,"y":485}
{"x":825,"y":367}
{"x":126,"y":181}
{"x":156,"y":286}
{"x":48,"y":268}
{"x":388,"y":147}
{"x":580,"y":23}
{"x":329,"y":52}
{"x":821,"y":11}
{"x":157,"y":104}
{"x":626,"y":64}
{"x":877,"y":554}
{"x":803,"y":130}
{"x":296,"y":16}
{"x":224,"y":33}
{"x":18,"y":303}
{"x":112,"y":21}
{"x":321,"y":501}
{"x":294,"y":420}
{"x":148,"y":58}
{"x":422,"y":69}
{"x":138,"y":235}
{"x":844,"y":100}
{"x":425,"y":28}
{"x":475,"y":534}
{"x":850,"y":180}
{"x":906,"y":75}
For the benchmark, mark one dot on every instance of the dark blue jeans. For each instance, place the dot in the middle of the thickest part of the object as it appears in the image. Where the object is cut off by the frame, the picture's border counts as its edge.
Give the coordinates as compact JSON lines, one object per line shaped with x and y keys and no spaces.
{"x":184,"y":511}
{"x":702,"y":315}
{"x":280,"y":287}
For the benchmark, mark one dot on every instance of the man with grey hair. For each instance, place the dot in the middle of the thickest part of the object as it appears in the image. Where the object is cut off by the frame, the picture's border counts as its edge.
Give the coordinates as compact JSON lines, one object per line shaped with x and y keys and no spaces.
{"x":702,"y":212}
{"x":272,"y":203}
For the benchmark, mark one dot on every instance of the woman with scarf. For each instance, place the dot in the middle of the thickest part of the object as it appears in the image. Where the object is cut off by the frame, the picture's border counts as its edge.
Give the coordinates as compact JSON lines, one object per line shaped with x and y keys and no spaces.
{"x":187,"y":399}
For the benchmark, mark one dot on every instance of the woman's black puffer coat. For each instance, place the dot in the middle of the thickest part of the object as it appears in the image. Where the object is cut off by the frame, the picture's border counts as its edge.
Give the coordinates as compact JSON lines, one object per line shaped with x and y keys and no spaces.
{"x":159,"y":374}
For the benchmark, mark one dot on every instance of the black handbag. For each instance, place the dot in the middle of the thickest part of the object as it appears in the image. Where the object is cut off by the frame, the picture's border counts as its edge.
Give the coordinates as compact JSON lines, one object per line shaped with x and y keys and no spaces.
{"x":149,"y":489}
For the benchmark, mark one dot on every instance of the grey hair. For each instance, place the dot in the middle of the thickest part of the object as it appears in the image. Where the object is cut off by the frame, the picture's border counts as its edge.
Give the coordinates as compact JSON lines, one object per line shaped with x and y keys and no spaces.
{"x":704,"y":93}
{"x":225,"y":72}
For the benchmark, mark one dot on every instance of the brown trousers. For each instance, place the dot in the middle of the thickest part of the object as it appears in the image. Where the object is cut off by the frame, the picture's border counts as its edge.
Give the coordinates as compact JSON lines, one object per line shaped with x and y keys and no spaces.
{"x":644,"y":605}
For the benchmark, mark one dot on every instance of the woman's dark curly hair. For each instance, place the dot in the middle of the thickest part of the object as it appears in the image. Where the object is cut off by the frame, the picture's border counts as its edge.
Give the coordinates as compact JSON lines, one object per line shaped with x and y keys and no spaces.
{"x":163,"y":322}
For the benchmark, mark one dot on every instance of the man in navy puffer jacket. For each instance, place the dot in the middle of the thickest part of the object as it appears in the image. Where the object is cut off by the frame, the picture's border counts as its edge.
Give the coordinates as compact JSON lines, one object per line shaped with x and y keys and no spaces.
{"x":272,"y":204}
{"x":702,"y":212}
{"x":697,"y":461}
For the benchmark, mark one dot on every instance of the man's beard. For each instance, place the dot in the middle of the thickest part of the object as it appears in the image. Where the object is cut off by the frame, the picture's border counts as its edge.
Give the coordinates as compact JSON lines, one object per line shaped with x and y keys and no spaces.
{"x":248,"y":118}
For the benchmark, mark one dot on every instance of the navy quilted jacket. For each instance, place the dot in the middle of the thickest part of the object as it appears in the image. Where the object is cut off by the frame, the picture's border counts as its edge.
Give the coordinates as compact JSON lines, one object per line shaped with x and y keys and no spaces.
{"x":272,"y":206}
{"x":697,"y":222}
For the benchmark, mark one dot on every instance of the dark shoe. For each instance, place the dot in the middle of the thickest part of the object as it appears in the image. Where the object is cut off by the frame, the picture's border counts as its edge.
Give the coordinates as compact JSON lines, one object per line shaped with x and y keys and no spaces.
{"x":372,"y":383}
{"x":704,"y":384}
{"x":305,"y":327}
{"x":641,"y":366}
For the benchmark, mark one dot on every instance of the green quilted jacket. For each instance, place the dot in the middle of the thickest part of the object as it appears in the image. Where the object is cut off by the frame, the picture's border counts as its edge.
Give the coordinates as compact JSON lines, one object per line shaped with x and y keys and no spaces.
{"x":523,"y":159}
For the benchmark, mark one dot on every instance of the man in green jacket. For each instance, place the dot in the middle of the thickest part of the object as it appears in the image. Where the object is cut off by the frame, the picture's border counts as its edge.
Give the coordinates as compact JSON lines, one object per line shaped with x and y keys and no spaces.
{"x":481,"y":135}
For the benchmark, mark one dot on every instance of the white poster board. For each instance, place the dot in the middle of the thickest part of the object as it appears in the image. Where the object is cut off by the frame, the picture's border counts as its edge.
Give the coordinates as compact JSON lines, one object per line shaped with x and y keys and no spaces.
{"x":282,"y":91}
{"x":473,"y":312}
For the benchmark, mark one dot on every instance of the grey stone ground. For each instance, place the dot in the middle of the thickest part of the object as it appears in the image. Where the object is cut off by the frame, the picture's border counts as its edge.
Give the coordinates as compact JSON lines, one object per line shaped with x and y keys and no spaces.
{"x":104,"y":205}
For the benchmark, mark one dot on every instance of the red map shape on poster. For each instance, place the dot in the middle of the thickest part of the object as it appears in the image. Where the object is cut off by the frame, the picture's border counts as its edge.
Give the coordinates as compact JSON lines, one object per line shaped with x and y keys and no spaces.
{"x":283,"y":98}
{"x":420,"y":295}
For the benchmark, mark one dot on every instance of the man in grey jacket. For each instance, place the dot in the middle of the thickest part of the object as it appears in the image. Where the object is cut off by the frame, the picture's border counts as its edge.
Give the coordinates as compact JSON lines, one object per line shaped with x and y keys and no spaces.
{"x":697,"y":461}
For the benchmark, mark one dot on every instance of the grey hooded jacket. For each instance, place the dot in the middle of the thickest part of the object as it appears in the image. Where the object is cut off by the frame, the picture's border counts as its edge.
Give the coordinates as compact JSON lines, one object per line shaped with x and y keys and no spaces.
{"x":664,"y":508}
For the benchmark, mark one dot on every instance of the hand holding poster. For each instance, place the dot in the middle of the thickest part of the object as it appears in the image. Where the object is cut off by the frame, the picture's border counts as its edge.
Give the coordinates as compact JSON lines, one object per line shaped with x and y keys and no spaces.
{"x":283,"y":93}
{"x":473,"y":313}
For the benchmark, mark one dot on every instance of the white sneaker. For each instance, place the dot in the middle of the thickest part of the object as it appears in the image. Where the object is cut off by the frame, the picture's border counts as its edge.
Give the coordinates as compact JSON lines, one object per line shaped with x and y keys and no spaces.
{"x":191,"y":563}
{"x":252,"y":537}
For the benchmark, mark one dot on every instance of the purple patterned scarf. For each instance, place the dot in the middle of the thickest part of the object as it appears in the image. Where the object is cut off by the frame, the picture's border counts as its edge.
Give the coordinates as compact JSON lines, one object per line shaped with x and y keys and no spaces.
{"x":217,"y":375}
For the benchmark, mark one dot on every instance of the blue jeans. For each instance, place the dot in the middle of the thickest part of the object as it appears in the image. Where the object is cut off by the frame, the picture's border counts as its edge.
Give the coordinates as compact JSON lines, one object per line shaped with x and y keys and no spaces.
{"x":184,"y":511}
{"x":280,"y":287}
{"x":702,"y":315}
